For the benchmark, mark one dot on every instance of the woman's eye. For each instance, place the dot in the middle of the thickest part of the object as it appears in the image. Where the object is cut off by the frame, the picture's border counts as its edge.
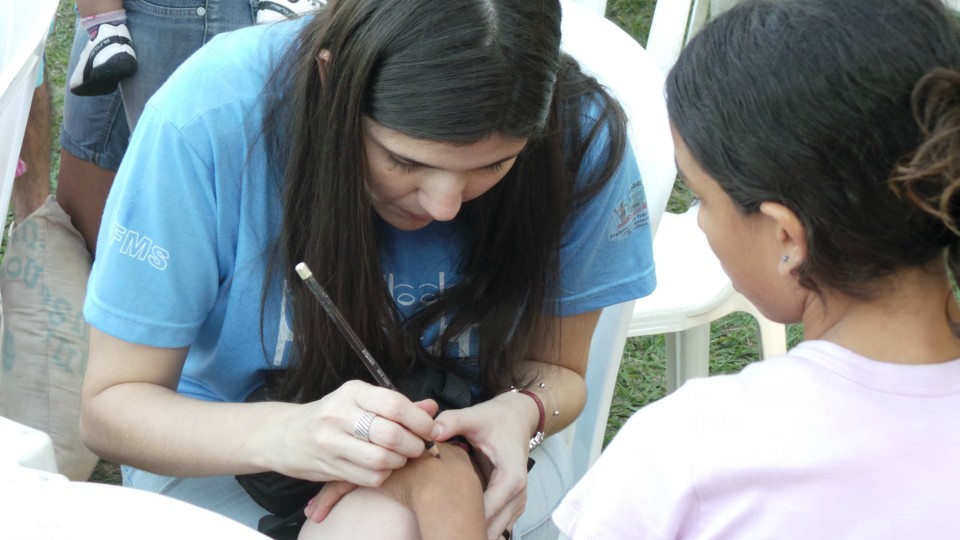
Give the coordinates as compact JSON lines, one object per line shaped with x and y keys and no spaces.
{"x":402,"y":166}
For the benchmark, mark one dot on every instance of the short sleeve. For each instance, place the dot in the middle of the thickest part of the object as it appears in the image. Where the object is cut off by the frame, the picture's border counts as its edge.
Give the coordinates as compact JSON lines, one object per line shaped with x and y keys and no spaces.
{"x":606,"y":254}
{"x":155,"y":277}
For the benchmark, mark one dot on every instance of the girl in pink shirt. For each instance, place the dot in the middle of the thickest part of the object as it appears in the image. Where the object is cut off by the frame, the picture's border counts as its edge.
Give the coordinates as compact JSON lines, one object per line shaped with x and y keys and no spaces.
{"x":822,"y":138}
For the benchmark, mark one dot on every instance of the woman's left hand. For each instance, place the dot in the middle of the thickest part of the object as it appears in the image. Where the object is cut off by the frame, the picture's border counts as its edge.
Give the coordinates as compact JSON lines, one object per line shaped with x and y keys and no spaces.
{"x":499,"y":430}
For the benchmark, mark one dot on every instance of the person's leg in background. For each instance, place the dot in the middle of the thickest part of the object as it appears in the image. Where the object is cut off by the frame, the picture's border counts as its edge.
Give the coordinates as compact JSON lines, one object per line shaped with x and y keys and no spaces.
{"x":33,"y":186}
{"x":93,"y":139}
{"x":95,"y":129}
{"x":82,"y":191}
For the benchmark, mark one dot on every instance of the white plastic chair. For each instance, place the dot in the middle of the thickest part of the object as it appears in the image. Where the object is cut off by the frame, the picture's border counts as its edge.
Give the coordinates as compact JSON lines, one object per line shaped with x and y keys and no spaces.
{"x":26,"y":447}
{"x":598,"y":6}
{"x":620,"y":64}
{"x":23,"y":34}
{"x":674,"y":22}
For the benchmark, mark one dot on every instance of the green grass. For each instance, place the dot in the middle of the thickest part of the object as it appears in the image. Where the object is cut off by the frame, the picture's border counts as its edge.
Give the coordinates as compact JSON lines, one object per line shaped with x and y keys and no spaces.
{"x":642,"y":374}
{"x":58,"y":54}
{"x":642,"y":379}
{"x":633,"y":16}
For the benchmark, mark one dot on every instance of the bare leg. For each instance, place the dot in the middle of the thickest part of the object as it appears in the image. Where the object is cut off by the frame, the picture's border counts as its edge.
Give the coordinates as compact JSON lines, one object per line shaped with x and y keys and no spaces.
{"x":365,"y":513}
{"x":30,"y":190}
{"x":93,"y":7}
{"x":82,"y":191}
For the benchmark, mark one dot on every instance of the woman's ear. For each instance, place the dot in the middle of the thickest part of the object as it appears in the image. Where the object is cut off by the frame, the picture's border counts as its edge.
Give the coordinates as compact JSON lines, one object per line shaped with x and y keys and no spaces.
{"x":323,"y":60}
{"x":791,"y":235}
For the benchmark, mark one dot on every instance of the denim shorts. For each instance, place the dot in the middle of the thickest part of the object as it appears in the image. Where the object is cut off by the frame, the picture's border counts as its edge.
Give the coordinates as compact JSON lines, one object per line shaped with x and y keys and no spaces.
{"x":164,"y":34}
{"x":548,"y":481}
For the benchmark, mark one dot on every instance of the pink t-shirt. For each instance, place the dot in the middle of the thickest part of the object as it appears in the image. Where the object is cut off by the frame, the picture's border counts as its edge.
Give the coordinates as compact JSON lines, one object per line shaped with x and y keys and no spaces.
{"x":818,"y":443}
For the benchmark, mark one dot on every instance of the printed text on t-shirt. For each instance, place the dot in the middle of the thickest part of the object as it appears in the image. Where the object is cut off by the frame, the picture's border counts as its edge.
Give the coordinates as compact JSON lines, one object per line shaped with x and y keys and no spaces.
{"x":139,"y":246}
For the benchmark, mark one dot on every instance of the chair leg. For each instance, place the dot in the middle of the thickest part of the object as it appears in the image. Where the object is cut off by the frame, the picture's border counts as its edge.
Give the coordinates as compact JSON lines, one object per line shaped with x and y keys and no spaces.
{"x":688,"y":355}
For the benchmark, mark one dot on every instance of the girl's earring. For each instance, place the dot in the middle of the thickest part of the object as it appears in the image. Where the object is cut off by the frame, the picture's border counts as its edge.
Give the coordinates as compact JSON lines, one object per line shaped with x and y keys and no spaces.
{"x":785,"y":258}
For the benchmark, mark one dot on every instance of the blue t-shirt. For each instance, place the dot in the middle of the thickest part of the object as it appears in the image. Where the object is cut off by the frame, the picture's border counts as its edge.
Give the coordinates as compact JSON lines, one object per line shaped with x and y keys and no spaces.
{"x":190,"y":224}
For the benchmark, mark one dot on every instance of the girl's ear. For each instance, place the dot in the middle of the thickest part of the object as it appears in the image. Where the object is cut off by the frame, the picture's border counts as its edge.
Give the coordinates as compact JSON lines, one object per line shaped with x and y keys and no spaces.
{"x":791,"y":235}
{"x":323,"y":60}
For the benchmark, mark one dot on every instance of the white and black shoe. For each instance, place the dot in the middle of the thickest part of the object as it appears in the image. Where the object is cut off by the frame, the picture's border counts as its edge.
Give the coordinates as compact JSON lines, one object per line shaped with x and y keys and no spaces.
{"x":269,"y":11}
{"x":105,"y":61}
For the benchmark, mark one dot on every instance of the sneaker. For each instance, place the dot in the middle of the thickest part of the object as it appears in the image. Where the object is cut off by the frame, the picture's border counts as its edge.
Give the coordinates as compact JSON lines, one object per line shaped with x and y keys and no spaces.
{"x":105,"y":61}
{"x":269,"y":11}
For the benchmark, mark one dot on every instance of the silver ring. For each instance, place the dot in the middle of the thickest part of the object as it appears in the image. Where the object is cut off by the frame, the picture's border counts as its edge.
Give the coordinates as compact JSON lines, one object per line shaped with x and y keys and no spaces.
{"x":361,"y":429}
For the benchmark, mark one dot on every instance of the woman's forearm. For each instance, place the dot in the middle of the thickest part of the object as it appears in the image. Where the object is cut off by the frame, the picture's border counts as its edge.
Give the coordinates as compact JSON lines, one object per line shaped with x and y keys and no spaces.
{"x":131,"y":413}
{"x":556,"y":372}
{"x":156,"y":429}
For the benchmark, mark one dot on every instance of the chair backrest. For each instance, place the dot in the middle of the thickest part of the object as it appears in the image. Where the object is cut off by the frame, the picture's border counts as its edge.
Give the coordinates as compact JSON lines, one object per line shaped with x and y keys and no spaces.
{"x":23,"y":33}
{"x":629,"y":73}
{"x":674,"y":23}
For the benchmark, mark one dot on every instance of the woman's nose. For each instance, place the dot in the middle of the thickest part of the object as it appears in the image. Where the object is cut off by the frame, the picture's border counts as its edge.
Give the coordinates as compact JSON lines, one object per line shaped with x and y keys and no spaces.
{"x":442,"y":196}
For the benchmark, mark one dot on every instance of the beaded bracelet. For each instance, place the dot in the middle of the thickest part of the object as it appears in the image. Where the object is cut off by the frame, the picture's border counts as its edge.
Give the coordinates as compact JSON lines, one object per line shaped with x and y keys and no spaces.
{"x":541,"y":427}
{"x":556,"y":411}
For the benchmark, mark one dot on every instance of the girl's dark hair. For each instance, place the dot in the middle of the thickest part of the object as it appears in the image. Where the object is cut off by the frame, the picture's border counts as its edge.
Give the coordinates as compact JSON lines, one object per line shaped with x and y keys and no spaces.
{"x":840,"y":110}
{"x":454,"y":71}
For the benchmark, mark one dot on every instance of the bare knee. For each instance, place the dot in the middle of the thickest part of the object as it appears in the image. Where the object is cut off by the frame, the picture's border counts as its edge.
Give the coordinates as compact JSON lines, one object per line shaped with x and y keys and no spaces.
{"x":365,"y":513}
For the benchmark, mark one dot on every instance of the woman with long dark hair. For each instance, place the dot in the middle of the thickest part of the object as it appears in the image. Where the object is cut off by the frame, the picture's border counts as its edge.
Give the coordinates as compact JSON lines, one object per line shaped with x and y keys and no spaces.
{"x":453,"y":181}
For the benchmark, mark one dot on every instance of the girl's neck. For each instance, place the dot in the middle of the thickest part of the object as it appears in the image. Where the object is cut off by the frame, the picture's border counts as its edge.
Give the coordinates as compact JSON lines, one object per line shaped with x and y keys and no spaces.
{"x":905,"y":322}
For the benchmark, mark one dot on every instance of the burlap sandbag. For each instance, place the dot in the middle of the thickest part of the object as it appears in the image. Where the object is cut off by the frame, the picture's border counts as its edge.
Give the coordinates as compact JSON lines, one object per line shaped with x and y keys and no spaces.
{"x":43,"y":280}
